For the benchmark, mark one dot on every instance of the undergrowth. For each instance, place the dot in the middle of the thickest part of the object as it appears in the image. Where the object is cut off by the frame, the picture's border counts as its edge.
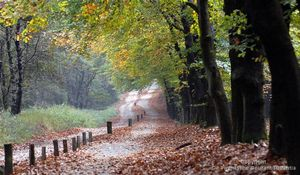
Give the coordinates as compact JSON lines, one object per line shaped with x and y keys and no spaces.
{"x":36,"y":121}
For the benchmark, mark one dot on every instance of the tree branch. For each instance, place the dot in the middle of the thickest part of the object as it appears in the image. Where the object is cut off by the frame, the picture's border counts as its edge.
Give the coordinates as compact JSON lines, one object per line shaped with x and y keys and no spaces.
{"x":193,"y":6}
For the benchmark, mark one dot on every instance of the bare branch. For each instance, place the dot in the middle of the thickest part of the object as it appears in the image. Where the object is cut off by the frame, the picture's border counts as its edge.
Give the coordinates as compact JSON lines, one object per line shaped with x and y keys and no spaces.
{"x":35,"y":51}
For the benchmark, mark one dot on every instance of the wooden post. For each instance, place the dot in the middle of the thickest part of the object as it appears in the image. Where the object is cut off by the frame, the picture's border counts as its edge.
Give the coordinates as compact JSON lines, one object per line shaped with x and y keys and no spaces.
{"x":65,"y":145}
{"x":109,"y":127}
{"x":78,"y":142}
{"x":84,"y":138}
{"x":138,"y":118}
{"x":31,"y":155}
{"x":130,"y":122}
{"x":44,"y":153}
{"x":142,"y":116}
{"x":90,"y":136}
{"x":55,"y":146}
{"x":74,"y":144}
{"x":8,"y":165}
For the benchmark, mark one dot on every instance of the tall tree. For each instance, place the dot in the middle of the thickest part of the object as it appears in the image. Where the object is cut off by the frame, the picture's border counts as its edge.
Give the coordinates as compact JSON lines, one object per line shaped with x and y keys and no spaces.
{"x":267,"y":19}
{"x":3,"y":77}
{"x":246,"y":78}
{"x":216,"y":88}
{"x":17,"y":93}
{"x":193,"y":91}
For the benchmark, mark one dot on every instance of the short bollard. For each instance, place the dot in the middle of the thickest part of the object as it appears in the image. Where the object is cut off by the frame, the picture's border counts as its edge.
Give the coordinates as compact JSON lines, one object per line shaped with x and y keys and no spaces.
{"x":138,"y":118}
{"x":74,"y":144}
{"x":44,"y":155}
{"x":109,"y":127}
{"x":65,"y":145}
{"x":130,"y":122}
{"x":90,"y":136}
{"x":8,"y":165}
{"x":78,"y":142}
{"x":55,"y":145}
{"x":84,"y":138}
{"x":31,"y":155}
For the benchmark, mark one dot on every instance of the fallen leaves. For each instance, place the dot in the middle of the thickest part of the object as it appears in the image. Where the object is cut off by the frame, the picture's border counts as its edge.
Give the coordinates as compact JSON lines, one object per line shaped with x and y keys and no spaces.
{"x":153,"y":143}
{"x":158,"y":155}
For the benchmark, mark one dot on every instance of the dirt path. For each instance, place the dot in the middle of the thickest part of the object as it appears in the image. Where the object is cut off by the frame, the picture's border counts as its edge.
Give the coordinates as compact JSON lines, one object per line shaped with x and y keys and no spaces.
{"x":155,"y":145}
{"x":127,"y":145}
{"x":123,"y":143}
{"x":125,"y":112}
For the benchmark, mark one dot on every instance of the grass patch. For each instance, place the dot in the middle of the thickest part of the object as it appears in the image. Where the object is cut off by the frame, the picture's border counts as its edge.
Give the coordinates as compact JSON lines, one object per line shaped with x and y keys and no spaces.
{"x":36,"y":121}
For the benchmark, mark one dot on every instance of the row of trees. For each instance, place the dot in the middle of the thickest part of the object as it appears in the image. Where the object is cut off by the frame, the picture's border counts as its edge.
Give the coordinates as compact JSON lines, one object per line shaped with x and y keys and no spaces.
{"x":258,"y":31}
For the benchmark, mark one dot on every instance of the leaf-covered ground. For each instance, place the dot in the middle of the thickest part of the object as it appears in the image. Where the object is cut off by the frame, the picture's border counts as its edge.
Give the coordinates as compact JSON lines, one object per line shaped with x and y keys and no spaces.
{"x":157,"y":154}
{"x":158,"y":145}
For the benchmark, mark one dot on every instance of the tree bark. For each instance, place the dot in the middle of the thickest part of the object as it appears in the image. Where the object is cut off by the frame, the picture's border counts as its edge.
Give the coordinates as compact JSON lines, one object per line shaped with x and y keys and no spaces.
{"x":267,"y":20}
{"x":246,"y":81}
{"x":184,"y":89}
{"x":171,"y":100}
{"x":17,"y":101}
{"x":3,"y":77}
{"x":190,"y":56}
{"x":185,"y":97}
{"x":277,"y":145}
{"x":12,"y":79}
{"x":216,"y":88}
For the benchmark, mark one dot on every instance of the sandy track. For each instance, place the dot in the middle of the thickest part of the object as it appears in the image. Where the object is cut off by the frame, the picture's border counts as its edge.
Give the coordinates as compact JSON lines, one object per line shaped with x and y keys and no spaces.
{"x":102,"y":151}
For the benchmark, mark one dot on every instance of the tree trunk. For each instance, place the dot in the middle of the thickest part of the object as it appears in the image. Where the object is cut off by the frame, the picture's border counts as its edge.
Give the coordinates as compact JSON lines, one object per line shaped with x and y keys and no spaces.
{"x":170,"y":100}
{"x":237,"y":106}
{"x":277,"y":145}
{"x":11,"y":89}
{"x":190,"y":56}
{"x":209,"y":110}
{"x":184,"y":89}
{"x":247,"y":83}
{"x":267,"y":20}
{"x":17,"y":102}
{"x":216,"y":88}
{"x":3,"y":77}
{"x":185,"y":97}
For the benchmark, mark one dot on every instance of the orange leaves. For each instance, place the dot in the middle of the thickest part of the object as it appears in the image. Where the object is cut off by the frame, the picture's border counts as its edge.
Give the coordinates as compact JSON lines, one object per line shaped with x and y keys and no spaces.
{"x":121,"y":59}
{"x":89,"y":9}
{"x":157,"y":153}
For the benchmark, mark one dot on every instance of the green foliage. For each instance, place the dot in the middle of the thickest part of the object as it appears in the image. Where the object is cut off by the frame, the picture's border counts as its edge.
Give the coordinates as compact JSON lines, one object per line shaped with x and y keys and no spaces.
{"x":37,"y":121}
{"x":295,"y":31}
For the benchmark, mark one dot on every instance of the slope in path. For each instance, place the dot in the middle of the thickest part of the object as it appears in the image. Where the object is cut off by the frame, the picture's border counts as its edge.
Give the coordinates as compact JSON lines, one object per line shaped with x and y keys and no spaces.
{"x":95,"y":158}
{"x":125,"y":110}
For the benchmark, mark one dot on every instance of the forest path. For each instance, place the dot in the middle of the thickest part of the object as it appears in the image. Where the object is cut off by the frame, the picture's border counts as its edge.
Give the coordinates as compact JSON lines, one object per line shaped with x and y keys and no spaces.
{"x":126,"y":110}
{"x":155,"y":145}
{"x":124,"y":141}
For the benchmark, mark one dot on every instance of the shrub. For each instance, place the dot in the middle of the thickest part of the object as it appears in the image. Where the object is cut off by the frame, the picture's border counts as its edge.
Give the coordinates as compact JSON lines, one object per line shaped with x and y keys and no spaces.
{"x":36,"y":121}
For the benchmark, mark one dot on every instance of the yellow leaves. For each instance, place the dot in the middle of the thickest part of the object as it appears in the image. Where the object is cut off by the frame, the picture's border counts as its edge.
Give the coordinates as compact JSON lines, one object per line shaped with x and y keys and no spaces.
{"x":63,"y":5}
{"x":12,"y":11}
{"x":121,"y":58}
{"x":7,"y":15}
{"x":122,"y":54}
{"x":36,"y":24}
{"x":18,"y":37}
{"x":260,"y":59}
